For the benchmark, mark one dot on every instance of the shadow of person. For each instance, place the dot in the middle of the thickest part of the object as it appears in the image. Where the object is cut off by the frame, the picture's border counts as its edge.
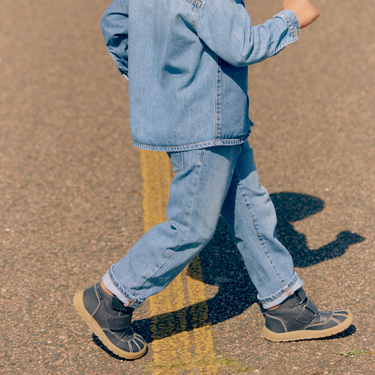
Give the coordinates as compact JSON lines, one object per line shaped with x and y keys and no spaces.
{"x":292,"y":207}
{"x":222,"y":266}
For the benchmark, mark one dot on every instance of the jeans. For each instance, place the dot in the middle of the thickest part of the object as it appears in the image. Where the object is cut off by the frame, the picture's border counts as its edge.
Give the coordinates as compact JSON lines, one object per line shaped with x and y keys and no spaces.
{"x":208,"y":183}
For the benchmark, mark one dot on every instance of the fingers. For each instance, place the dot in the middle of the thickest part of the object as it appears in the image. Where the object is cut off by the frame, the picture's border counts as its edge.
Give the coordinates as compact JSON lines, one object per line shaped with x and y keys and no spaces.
{"x":304,"y":10}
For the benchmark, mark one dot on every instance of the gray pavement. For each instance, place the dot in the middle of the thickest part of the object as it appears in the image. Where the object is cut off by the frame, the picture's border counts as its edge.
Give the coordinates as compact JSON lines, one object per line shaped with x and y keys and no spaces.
{"x":71,"y":189}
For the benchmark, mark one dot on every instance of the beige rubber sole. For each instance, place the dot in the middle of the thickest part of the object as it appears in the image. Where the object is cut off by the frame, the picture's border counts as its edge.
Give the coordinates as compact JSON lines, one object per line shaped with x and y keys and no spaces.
{"x":95,"y":327}
{"x":308,"y":334}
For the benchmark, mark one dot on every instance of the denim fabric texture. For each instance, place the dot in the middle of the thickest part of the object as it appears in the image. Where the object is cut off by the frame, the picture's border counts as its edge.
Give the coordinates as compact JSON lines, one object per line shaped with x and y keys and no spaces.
{"x":186,"y":61}
{"x":208,"y":183}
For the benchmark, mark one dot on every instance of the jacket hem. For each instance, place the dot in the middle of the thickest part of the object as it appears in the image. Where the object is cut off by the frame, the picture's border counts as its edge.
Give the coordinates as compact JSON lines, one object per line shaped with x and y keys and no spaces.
{"x":194,"y":146}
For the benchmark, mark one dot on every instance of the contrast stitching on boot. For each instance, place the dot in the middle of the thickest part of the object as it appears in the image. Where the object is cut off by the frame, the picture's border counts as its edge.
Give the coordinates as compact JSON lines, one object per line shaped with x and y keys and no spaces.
{"x":341,"y":313}
{"x":98,"y":306}
{"x":336,"y":320}
{"x":280,"y":320}
{"x":119,"y":338}
{"x":135,"y":342}
{"x":309,"y":325}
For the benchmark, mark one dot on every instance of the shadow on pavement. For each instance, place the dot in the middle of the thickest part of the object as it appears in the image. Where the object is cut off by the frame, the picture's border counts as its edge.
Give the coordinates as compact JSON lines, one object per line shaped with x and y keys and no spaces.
{"x":292,"y":207}
{"x":222,"y":265}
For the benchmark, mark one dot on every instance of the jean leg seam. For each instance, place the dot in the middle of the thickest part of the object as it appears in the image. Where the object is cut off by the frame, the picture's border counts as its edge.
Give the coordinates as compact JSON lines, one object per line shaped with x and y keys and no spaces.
{"x":260,"y":243}
{"x":194,"y":196}
{"x":124,"y":291}
{"x":185,"y":234}
{"x":181,"y":162}
{"x":295,"y":279}
{"x":158,"y":269}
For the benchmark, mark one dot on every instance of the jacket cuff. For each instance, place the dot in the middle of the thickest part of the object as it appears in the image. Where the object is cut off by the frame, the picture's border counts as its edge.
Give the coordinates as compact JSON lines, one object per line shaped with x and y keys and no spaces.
{"x":292,"y":21}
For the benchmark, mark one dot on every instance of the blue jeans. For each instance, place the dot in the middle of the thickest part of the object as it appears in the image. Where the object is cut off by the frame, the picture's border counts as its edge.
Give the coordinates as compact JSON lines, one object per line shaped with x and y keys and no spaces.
{"x":208,"y":183}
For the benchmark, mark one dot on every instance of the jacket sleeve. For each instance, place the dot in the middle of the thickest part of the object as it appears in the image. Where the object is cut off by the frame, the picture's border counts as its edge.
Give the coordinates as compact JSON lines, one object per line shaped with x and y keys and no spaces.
{"x":115,"y":25}
{"x":225,"y":26}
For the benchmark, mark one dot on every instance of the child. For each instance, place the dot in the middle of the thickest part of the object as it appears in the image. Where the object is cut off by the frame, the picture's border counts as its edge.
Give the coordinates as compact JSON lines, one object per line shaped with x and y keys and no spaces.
{"x":186,"y":62}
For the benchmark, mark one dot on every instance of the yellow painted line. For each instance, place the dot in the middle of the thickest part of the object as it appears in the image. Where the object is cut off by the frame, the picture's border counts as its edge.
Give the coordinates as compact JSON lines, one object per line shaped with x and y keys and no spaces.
{"x":204,"y":345}
{"x":183,"y":291}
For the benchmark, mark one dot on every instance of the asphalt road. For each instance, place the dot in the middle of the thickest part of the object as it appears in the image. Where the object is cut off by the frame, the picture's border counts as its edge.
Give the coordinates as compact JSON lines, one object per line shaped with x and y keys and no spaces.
{"x":71,"y":201}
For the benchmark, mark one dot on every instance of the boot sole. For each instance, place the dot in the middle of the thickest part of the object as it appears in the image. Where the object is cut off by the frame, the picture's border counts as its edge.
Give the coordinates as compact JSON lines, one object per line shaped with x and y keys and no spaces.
{"x":95,"y":327}
{"x":308,"y":334}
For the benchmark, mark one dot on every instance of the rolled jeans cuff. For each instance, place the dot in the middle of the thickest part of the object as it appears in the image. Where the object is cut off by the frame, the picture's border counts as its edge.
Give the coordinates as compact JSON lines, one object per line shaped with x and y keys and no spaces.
{"x":282,"y":294}
{"x":111,"y":286}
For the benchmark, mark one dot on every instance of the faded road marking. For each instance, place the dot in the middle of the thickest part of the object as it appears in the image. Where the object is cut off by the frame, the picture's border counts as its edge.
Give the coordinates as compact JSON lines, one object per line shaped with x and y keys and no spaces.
{"x":171,"y":341}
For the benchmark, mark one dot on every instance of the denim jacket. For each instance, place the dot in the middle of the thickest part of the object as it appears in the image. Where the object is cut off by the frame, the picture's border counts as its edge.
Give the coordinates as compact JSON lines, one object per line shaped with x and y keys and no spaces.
{"x":186,"y":62}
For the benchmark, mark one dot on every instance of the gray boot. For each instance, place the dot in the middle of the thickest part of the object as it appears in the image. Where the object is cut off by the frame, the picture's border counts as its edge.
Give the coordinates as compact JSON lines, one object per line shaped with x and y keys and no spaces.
{"x":297,"y":318}
{"x":110,"y":320}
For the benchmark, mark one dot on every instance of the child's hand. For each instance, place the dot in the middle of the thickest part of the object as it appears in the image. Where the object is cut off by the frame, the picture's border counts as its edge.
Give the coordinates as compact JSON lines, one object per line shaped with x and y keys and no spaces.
{"x":304,"y":10}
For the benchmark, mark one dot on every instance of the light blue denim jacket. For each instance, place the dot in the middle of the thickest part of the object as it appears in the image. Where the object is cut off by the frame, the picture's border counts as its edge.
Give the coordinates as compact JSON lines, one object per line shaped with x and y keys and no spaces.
{"x":186,"y":62}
